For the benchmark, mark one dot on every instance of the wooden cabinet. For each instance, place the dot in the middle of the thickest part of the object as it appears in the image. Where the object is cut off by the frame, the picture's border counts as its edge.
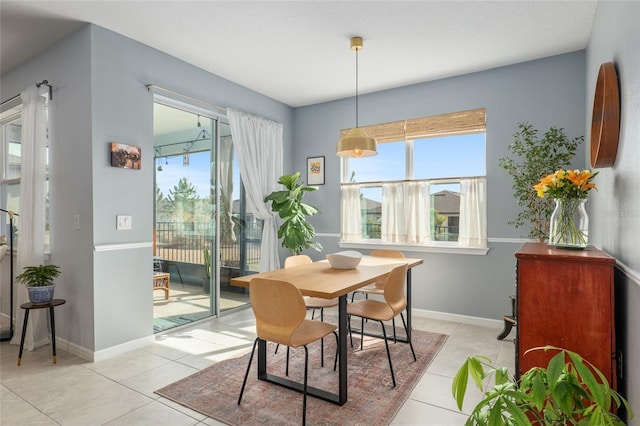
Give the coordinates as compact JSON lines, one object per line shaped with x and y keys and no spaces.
{"x":565,"y":299}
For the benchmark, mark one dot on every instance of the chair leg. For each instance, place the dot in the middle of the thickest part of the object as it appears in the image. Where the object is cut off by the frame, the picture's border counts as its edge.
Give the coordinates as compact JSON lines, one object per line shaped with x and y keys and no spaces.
{"x":408,"y":338}
{"x":287,"y":370}
{"x":276,"y":351}
{"x":349,"y":329}
{"x":304,"y":389}
{"x":393,"y":324}
{"x":361,"y":331}
{"x":386,"y":343}
{"x":244,"y":382}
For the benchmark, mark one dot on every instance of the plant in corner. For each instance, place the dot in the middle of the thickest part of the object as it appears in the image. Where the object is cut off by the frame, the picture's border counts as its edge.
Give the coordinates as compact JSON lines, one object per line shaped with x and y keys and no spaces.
{"x":533,"y":159}
{"x":569,"y":391}
{"x":39,"y":281}
{"x":295,"y":231}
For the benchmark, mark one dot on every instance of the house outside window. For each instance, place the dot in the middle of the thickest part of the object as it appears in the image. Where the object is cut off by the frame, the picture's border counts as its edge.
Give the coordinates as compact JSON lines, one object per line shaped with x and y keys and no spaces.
{"x":426,"y":186}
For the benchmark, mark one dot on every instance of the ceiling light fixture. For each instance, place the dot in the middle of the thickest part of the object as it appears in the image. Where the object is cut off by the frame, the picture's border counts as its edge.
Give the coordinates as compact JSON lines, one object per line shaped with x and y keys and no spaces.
{"x":356,"y":143}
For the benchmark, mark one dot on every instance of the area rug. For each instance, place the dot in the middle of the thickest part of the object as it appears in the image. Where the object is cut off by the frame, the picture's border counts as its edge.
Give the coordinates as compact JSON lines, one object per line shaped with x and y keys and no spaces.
{"x":372,"y":399}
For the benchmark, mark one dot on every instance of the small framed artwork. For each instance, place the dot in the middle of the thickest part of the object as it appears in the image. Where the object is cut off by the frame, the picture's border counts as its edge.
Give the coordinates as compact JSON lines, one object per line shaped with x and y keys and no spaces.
{"x":315,"y":170}
{"x":125,"y":156}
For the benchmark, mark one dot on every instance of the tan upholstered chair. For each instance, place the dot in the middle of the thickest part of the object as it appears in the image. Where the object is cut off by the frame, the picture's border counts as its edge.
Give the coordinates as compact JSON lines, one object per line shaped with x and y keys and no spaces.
{"x":378,"y":286}
{"x":281,"y":318}
{"x":312,"y":303}
{"x":395,"y":303}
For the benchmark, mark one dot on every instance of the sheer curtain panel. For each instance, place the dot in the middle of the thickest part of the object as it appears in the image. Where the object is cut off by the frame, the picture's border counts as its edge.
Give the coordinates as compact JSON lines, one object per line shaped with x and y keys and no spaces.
{"x":473,"y":219}
{"x":351,"y":213}
{"x":32,"y":209}
{"x":258,"y":142}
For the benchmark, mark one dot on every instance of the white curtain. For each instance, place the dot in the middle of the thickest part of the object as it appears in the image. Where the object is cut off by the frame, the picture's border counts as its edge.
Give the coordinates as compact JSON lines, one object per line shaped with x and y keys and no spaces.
{"x":351,"y":213}
{"x":418,"y":212}
{"x":258,"y":142}
{"x":227,"y":225}
{"x":393,"y":213}
{"x":31,"y":213}
{"x":473,"y":219}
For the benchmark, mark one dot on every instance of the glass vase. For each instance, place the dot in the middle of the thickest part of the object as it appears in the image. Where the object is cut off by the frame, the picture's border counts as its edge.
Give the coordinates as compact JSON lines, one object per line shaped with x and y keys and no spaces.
{"x":569,"y":227}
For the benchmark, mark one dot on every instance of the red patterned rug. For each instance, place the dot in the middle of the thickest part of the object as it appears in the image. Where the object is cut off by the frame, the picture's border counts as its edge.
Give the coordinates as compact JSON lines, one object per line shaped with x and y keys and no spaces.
{"x":372,"y":399}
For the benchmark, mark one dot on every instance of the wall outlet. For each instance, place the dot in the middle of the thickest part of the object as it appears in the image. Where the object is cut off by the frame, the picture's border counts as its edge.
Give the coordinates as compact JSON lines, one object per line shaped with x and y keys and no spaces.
{"x":123,"y":223}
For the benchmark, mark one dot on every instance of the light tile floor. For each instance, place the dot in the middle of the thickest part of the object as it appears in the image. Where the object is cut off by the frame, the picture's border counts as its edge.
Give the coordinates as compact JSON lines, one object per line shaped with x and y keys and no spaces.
{"x":119,"y":391}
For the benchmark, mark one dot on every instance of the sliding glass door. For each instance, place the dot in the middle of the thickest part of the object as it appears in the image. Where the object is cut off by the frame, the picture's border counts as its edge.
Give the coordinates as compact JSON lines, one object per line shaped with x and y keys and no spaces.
{"x":201,"y":227}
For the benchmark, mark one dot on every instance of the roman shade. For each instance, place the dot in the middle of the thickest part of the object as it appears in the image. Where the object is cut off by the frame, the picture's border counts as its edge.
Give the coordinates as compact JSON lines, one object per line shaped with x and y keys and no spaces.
{"x":454,"y":123}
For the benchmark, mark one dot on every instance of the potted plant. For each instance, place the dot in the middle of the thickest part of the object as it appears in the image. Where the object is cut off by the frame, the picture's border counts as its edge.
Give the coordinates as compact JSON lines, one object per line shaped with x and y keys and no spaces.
{"x":533,"y":159}
{"x":295,"y":231}
{"x":39,"y":281}
{"x":570,"y":390}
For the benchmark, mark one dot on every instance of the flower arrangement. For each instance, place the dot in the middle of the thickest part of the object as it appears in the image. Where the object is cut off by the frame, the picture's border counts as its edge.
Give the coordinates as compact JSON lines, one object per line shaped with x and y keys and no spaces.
{"x":569,"y":223}
{"x":566,"y":184}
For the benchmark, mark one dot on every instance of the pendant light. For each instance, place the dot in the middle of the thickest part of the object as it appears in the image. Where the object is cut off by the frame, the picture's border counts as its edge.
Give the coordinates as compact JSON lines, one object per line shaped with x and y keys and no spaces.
{"x":356,"y":143}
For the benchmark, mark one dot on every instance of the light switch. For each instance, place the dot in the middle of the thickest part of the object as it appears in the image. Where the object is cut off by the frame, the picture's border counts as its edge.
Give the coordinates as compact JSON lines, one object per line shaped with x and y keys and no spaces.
{"x":123,"y":223}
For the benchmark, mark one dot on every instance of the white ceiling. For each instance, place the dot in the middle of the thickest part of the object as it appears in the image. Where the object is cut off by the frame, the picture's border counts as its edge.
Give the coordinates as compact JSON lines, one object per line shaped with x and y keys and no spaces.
{"x":297,"y":52}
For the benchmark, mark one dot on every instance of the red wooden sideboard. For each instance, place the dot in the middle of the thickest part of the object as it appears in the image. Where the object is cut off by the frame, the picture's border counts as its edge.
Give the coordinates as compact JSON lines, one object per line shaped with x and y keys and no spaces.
{"x":565,"y":298}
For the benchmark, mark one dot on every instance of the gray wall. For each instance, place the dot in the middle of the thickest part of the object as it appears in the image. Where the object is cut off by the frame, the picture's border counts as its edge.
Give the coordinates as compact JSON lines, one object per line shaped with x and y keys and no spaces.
{"x":546,"y":92}
{"x":615,"y":208}
{"x":99,"y":80}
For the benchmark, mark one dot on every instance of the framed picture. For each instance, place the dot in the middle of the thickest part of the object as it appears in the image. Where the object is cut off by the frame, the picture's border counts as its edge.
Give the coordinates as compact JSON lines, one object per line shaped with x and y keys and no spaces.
{"x":315,"y":170}
{"x":125,"y":156}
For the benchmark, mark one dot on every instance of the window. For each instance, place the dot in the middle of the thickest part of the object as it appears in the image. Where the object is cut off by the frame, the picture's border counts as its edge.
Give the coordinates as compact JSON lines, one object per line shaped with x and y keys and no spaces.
{"x":425,"y":187}
{"x":10,"y":168}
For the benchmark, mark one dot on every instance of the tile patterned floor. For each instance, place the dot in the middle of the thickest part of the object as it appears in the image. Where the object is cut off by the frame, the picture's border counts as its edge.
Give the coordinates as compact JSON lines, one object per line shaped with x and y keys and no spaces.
{"x":119,"y":391}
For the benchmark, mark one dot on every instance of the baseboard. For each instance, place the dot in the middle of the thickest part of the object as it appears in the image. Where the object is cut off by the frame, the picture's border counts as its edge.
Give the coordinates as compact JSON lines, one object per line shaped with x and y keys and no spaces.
{"x":464,"y":319}
{"x":103,"y":354}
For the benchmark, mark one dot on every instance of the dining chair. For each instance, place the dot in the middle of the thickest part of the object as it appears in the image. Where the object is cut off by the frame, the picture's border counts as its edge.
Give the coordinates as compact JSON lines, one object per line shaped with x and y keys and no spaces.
{"x":312,"y":303}
{"x":280,"y":315}
{"x":394,"y":304}
{"x":377,"y":287}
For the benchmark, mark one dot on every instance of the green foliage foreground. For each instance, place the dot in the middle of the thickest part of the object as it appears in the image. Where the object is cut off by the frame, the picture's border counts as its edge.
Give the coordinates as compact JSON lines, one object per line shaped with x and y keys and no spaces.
{"x":567,"y":392}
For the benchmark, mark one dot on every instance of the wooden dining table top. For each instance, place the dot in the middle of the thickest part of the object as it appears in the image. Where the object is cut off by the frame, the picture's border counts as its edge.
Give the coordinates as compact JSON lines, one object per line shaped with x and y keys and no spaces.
{"x":319,"y":279}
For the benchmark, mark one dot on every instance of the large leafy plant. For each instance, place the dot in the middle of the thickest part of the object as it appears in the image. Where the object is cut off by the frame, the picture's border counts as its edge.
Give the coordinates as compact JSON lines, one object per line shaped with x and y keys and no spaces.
{"x":532,"y":159}
{"x":296,"y":233}
{"x":570,"y":391}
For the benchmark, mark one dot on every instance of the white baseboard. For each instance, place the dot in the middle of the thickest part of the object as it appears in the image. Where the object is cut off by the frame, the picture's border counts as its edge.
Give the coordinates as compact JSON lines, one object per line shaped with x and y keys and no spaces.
{"x":103,"y":354}
{"x":464,"y":319}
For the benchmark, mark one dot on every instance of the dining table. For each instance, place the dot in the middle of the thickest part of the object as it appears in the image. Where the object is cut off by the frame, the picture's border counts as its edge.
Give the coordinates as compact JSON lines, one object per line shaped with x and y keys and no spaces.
{"x":319,"y":279}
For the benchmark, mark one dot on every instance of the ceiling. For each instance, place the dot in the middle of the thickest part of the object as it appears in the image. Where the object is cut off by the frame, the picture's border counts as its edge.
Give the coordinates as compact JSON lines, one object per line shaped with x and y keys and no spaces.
{"x":297,"y":52}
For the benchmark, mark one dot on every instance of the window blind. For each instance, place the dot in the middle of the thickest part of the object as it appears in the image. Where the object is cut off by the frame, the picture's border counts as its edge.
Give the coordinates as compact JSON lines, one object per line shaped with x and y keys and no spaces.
{"x":454,"y":123}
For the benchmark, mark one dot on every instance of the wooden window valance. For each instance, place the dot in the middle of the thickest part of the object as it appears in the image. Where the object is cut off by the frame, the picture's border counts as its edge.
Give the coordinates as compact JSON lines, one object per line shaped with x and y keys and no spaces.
{"x":454,"y":123}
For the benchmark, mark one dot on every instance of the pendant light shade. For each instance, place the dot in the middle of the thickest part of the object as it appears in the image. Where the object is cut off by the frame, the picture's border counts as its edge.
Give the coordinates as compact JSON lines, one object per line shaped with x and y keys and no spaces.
{"x":356,"y":143}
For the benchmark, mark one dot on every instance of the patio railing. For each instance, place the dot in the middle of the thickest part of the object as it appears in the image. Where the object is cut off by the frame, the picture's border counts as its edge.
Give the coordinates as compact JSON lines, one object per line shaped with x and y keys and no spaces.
{"x":185,"y":242}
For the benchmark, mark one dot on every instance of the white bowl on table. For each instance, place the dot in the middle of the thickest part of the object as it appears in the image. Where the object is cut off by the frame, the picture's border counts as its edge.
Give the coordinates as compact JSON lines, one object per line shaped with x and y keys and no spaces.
{"x":344,"y":259}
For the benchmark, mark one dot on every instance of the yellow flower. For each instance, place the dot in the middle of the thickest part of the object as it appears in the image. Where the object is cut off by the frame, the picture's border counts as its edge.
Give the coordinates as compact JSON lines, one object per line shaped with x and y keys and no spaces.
{"x":566,"y":184}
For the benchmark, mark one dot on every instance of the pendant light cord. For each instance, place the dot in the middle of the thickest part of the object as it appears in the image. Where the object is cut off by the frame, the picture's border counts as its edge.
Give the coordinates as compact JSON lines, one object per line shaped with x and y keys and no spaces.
{"x":357,"y":87}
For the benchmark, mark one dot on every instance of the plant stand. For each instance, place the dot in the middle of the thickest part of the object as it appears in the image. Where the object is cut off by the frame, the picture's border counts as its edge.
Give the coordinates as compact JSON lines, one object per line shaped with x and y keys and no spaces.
{"x":27,"y":308}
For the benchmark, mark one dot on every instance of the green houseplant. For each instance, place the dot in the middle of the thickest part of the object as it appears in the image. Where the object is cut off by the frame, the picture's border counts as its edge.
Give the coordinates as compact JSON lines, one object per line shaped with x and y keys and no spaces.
{"x":569,"y":391}
{"x":39,"y":281}
{"x":296,"y":233}
{"x":532,"y":159}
